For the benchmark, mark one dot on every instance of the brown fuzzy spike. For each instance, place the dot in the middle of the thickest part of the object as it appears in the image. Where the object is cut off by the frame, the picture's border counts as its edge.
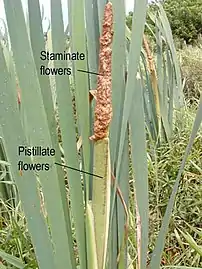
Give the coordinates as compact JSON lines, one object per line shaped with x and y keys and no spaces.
{"x":103,"y":107}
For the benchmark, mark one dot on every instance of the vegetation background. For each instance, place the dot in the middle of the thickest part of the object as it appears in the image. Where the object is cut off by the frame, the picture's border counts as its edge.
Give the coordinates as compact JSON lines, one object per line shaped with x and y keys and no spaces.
{"x":186,"y":23}
{"x":183,"y":245}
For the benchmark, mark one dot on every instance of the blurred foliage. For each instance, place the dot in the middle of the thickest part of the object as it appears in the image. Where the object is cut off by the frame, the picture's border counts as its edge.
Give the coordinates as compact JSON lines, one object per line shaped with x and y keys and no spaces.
{"x":185,"y":18}
{"x":191,"y":67}
{"x":129,"y":19}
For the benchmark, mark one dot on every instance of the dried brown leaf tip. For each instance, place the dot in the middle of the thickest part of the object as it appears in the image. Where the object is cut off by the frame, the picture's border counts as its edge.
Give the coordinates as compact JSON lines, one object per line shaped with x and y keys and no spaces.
{"x":103,"y":107}
{"x":18,"y":93}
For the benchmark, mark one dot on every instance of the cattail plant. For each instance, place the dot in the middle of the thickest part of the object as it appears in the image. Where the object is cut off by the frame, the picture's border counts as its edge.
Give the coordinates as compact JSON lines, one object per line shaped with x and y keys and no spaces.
{"x":153,"y":78}
{"x":85,"y":227}
{"x":102,"y":119}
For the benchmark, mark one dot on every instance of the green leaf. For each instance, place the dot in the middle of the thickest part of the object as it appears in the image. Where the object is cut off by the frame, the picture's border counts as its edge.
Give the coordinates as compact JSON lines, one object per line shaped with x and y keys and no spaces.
{"x":192,"y":243}
{"x":81,"y":81}
{"x":168,"y":35}
{"x":12,"y":260}
{"x":30,"y":200}
{"x":100,"y":5}
{"x":118,"y":75}
{"x":92,"y":32}
{"x":38,"y":133}
{"x":67,"y":125}
{"x":139,"y":161}
{"x":91,"y":241}
{"x":122,"y":216}
{"x":139,"y":17}
{"x":37,"y":43}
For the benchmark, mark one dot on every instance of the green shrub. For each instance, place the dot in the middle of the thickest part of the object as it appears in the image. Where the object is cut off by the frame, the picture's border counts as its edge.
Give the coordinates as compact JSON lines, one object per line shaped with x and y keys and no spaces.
{"x":184,"y":17}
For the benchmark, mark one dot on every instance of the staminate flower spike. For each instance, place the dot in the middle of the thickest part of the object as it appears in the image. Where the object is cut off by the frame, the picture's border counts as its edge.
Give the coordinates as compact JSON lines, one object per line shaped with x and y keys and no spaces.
{"x":102,"y":163}
{"x":103,"y":107}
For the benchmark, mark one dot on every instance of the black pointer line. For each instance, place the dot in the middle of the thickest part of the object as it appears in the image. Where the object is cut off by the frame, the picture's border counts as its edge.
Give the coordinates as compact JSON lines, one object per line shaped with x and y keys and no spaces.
{"x":78,"y":170}
{"x":89,"y":72}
